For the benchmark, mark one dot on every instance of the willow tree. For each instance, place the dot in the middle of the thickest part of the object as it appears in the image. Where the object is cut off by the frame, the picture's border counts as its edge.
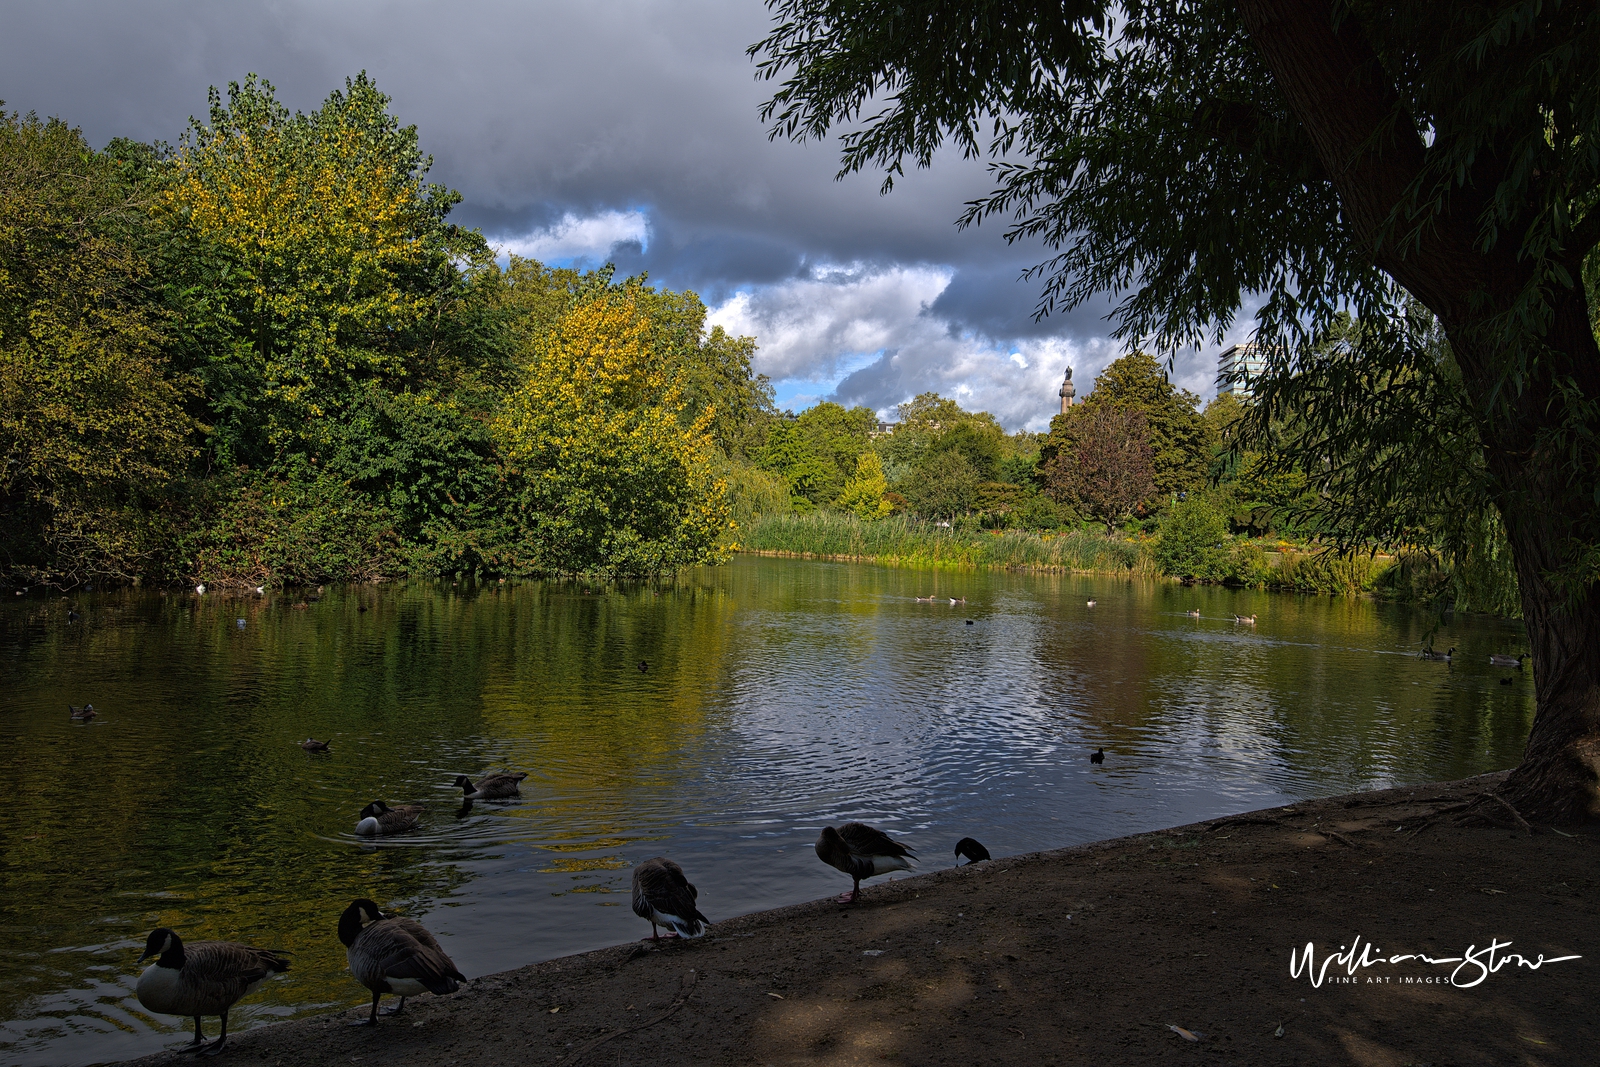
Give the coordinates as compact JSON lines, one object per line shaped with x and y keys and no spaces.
{"x":1318,"y":156}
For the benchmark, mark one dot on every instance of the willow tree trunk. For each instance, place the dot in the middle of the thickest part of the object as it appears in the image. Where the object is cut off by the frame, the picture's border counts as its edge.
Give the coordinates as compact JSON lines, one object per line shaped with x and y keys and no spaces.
{"x":1547,"y":484}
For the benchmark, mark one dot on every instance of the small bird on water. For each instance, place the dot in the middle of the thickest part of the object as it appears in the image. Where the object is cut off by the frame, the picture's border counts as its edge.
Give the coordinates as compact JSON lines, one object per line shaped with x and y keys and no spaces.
{"x":389,"y":954}
{"x":203,"y":978}
{"x":644,"y":665}
{"x":861,"y":851}
{"x":1097,"y":756}
{"x":311,"y":744}
{"x":665,"y":896}
{"x":972,"y":850}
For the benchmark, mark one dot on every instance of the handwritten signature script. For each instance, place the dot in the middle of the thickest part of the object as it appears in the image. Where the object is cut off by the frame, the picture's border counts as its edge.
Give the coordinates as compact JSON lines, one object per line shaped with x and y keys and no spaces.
{"x":1471,"y":967}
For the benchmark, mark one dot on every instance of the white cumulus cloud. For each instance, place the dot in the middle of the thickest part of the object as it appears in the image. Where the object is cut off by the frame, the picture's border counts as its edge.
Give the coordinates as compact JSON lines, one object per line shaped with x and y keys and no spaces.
{"x":575,"y":237}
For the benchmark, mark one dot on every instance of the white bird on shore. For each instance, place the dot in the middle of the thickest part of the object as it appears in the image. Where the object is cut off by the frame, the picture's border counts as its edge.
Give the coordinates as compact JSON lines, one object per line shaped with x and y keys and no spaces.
{"x":665,"y":896}
{"x":388,"y":954}
{"x":861,"y":851}
{"x":205,"y":978}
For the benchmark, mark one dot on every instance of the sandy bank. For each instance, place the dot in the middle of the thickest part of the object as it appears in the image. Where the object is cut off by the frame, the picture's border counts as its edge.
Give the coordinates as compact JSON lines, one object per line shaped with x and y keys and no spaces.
{"x":1082,"y":955}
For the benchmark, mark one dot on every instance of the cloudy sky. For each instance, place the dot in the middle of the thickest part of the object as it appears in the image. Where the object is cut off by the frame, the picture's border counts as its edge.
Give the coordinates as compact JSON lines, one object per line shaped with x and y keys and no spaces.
{"x":625,"y":130}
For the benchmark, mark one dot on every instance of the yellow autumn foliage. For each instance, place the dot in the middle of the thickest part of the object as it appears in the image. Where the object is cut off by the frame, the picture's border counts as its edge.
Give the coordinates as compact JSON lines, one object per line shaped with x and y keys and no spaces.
{"x":606,"y":473}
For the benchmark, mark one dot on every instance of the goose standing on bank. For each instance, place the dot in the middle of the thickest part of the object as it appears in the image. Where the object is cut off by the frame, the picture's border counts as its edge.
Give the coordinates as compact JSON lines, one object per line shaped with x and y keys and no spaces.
{"x":491,"y":788}
{"x":861,"y":851}
{"x":389,"y":954}
{"x":1497,"y":660}
{"x":664,"y":895}
{"x":205,"y":978}
{"x":972,"y":850}
{"x":380,"y":818}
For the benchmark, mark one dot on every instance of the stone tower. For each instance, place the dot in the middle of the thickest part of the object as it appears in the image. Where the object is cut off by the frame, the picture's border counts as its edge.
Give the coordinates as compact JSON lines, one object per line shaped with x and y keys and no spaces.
{"x":1068,"y":391}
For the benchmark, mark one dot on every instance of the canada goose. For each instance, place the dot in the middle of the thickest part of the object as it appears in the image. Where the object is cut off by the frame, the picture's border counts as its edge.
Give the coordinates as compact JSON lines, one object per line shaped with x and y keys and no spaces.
{"x":663,"y":895}
{"x":1091,"y":603}
{"x":1497,"y":660}
{"x":972,"y":850}
{"x":1248,"y":620}
{"x":861,"y":851}
{"x":380,"y":818}
{"x":1193,"y":613}
{"x":311,"y":744}
{"x":201,"y":589}
{"x":491,"y":788}
{"x":1442,"y":657}
{"x":205,"y":978}
{"x":644,"y":665}
{"x":1097,"y":756}
{"x":389,"y":954}
{"x":83,"y":714}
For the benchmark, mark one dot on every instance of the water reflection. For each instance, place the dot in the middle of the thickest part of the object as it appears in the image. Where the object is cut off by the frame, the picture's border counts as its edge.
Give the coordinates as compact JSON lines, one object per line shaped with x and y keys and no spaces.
{"x":780,"y":696}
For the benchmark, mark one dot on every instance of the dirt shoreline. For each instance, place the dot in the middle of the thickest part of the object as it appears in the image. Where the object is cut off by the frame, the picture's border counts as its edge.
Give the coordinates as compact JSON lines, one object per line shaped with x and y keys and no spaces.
{"x":1089,"y":955}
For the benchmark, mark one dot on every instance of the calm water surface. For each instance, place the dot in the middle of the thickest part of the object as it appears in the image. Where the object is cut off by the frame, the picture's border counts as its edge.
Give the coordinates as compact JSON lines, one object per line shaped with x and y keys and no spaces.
{"x":780,"y":696}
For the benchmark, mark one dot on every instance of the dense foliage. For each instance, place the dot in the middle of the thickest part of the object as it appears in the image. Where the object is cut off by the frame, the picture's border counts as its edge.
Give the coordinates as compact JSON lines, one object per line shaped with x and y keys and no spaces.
{"x":267,"y":356}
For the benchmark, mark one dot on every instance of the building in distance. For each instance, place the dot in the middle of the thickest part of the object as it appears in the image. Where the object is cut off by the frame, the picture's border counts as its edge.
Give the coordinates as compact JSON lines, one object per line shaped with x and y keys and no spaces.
{"x":1236,"y":366}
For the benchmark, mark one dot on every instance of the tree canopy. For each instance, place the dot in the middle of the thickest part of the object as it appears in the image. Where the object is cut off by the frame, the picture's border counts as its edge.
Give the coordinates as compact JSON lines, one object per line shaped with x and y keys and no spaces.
{"x":1318,"y":158}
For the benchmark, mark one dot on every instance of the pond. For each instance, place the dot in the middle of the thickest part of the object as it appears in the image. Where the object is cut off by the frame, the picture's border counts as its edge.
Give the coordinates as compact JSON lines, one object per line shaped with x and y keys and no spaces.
{"x":778,"y":696}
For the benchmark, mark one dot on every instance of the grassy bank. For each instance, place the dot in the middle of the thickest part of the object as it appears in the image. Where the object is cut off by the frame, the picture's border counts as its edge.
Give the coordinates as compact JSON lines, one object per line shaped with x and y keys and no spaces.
{"x":901,"y":542}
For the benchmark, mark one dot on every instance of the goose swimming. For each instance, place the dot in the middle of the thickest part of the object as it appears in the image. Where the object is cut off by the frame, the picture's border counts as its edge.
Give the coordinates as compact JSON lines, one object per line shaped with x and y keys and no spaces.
{"x":662,"y":894}
{"x":1498,"y":660}
{"x":380,"y":818}
{"x":1248,"y":620}
{"x":491,"y":788}
{"x":389,"y":954}
{"x":972,"y":851}
{"x":861,"y":851}
{"x":311,"y":744}
{"x":83,"y":714}
{"x":203,"y":978}
{"x":1193,"y":613}
{"x":1442,"y":657}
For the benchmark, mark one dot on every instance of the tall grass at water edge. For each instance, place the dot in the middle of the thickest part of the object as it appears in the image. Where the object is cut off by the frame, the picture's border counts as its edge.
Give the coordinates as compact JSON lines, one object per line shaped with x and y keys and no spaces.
{"x":909,"y":543}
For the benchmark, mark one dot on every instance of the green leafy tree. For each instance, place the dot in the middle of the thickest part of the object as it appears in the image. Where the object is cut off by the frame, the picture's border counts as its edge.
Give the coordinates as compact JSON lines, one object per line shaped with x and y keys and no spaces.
{"x":603,"y":474}
{"x":1320,"y":157}
{"x":946,"y":485}
{"x":863,"y":493}
{"x":1192,"y":541}
{"x":93,"y":425}
{"x":1181,"y":440}
{"x":817,"y":450}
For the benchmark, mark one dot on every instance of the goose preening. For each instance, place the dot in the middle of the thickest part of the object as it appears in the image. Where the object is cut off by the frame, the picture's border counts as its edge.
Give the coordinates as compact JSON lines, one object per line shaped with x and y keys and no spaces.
{"x":662,"y":894}
{"x":861,"y":851}
{"x":311,"y":744}
{"x":83,"y":714}
{"x":491,"y":788}
{"x":204,"y":978}
{"x":1442,"y":657}
{"x":1097,"y":756}
{"x":389,"y":954}
{"x":380,"y":818}
{"x":1497,"y":660}
{"x":972,"y":851}
{"x":1248,"y":620}
{"x":1193,"y":613}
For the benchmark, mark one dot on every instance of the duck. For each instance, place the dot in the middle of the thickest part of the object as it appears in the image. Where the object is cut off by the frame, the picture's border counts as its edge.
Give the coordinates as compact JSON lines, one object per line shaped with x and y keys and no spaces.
{"x":491,"y":788}
{"x":380,"y":818}
{"x":311,"y":744}
{"x":925,"y":600}
{"x":389,"y":954}
{"x":665,"y":896}
{"x":1091,"y":603}
{"x":83,"y":714}
{"x":1097,"y":756}
{"x":861,"y":851}
{"x":958,"y":600}
{"x":1193,"y":613}
{"x":1442,"y":657}
{"x":1498,"y":660}
{"x":1248,"y":620}
{"x":972,"y":850}
{"x":203,"y":978}
{"x":644,"y":665}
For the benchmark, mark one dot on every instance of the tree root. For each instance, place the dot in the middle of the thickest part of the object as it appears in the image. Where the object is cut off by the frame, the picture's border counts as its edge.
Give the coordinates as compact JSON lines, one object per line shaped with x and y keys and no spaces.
{"x":1498,"y":799}
{"x":682,"y":999}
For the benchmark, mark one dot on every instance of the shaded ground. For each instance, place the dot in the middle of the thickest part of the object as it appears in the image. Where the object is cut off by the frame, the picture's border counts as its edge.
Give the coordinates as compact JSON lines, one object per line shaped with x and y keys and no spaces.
{"x":1084,"y":955}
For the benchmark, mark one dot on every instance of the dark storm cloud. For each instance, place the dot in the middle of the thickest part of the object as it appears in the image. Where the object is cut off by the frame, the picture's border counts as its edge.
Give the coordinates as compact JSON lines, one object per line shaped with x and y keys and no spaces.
{"x":542,"y":114}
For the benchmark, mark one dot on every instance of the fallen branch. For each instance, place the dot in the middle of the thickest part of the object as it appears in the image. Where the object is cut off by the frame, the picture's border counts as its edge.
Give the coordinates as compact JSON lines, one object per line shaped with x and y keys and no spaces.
{"x":683,"y":998}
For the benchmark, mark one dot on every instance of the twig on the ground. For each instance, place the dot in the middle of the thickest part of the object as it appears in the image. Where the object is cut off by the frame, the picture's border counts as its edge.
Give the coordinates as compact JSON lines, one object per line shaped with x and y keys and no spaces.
{"x":683,"y":998}
{"x":1503,"y":802}
{"x":1334,"y":835}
